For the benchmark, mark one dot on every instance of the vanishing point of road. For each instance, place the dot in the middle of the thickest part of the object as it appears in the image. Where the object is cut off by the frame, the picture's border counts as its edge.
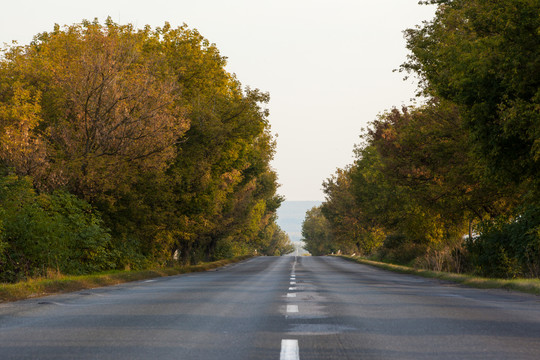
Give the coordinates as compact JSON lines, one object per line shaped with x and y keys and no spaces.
{"x":285,"y":308}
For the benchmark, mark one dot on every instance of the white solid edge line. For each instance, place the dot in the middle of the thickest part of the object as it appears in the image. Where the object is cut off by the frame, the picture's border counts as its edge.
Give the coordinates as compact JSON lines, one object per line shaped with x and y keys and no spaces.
{"x":292,"y":308}
{"x":289,"y":350}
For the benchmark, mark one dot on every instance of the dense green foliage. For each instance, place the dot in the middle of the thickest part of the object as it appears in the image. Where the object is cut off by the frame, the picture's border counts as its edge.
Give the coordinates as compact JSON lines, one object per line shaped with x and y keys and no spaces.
{"x":131,"y":148}
{"x":452,"y":184}
{"x":45,"y":232}
{"x":484,"y":55}
{"x":508,"y":247}
{"x":316,"y":234}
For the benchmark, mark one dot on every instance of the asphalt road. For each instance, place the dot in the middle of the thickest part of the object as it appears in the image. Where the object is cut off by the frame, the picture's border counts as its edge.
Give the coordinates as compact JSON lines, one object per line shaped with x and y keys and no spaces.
{"x":276,"y":308}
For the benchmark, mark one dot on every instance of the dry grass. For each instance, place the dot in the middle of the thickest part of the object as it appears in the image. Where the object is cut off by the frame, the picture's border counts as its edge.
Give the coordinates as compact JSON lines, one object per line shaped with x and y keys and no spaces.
{"x":531,"y":286}
{"x":60,"y":284}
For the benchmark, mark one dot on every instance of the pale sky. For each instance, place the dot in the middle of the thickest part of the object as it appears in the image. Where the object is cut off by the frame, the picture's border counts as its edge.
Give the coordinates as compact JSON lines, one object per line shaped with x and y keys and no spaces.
{"x":327,"y":64}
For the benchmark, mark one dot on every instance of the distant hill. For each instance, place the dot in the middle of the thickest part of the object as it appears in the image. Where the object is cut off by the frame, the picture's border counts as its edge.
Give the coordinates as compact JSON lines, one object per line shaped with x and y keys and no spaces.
{"x":291,"y":214}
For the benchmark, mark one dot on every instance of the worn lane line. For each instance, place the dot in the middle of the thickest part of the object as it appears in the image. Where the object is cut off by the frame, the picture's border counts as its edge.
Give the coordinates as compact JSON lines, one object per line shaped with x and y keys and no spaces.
{"x":289,"y":347}
{"x":294,"y":265}
{"x":289,"y":350}
{"x":292,"y":308}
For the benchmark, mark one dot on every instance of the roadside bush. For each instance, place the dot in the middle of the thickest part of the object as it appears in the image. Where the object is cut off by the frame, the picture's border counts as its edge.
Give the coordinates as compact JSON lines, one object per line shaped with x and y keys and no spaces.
{"x":3,"y":244}
{"x":45,"y":232}
{"x":398,"y":249}
{"x":444,"y":257}
{"x":129,"y":256}
{"x":85,"y":243}
{"x":508,"y":247}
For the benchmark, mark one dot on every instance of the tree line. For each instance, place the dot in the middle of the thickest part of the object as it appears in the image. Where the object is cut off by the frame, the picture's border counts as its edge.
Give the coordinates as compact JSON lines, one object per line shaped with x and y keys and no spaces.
{"x":452,"y":184}
{"x":128,"y":148}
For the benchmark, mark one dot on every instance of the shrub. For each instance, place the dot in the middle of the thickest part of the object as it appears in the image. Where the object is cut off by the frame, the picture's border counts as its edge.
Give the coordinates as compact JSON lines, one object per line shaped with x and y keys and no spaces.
{"x":508,"y":247}
{"x":400,"y":250}
{"x":49,"y":231}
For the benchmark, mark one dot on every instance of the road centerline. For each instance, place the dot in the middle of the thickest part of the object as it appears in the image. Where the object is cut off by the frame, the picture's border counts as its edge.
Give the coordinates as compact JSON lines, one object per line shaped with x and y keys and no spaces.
{"x":289,"y":350}
{"x":292,"y":308}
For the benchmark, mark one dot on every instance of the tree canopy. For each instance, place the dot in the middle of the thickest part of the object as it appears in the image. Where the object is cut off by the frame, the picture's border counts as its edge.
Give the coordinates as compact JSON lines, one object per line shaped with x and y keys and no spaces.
{"x":484,"y":56}
{"x":145,"y":129}
{"x":453,"y":183}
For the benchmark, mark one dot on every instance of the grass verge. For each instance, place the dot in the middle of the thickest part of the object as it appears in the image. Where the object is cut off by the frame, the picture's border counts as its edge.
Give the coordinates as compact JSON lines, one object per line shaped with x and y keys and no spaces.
{"x":42,"y":287}
{"x":531,"y":286}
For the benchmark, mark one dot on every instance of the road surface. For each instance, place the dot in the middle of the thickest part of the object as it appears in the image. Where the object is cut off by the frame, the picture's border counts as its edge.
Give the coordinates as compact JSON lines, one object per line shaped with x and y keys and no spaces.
{"x":276,"y":308}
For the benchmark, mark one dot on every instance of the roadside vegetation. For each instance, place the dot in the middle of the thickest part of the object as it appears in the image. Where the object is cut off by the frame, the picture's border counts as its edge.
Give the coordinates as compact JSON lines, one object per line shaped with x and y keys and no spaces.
{"x":531,"y":286}
{"x":124,"y":148}
{"x":452,"y":184}
{"x":54,"y":283}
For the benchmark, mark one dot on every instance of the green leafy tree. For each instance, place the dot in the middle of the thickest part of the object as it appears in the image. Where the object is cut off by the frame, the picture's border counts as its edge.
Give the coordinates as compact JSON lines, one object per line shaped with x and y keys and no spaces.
{"x":316,"y":233}
{"x":224,"y":187}
{"x":149,"y":127}
{"x":427,"y":152}
{"x":483,"y":56}
{"x":343,"y":214}
{"x":508,"y":247}
{"x":425,"y":175}
{"x":277,"y":241}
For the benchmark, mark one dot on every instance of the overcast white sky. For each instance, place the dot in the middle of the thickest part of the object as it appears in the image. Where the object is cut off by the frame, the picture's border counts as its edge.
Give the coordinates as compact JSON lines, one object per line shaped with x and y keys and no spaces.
{"x":326,"y":63}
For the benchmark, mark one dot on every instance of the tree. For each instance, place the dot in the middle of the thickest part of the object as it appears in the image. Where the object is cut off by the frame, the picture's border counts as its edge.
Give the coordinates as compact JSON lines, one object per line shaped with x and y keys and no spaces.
{"x":468,"y":156}
{"x":277,"y":241}
{"x":221,"y":176}
{"x":484,"y":56}
{"x":427,"y":151}
{"x":316,"y":233}
{"x":149,"y":127}
{"x":112,"y":113}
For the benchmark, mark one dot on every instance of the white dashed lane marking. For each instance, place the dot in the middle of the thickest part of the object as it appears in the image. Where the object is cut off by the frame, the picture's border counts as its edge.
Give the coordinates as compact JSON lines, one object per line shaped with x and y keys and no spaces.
{"x":289,"y":350}
{"x":292,"y":308}
{"x":289,"y":347}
